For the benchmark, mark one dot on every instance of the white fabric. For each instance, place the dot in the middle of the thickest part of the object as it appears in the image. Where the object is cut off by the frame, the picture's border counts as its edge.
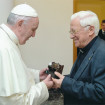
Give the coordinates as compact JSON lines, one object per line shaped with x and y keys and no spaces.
{"x":35,"y":96}
{"x":24,"y":10}
{"x":17,"y":85}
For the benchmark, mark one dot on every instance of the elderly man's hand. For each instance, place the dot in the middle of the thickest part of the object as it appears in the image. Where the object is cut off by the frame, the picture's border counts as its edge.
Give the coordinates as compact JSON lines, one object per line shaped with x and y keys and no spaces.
{"x":42,"y":74}
{"x":58,"y":82}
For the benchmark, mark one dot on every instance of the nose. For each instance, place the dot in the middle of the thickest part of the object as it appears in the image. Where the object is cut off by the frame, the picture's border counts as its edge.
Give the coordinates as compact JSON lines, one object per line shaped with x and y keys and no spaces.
{"x":72,"y":36}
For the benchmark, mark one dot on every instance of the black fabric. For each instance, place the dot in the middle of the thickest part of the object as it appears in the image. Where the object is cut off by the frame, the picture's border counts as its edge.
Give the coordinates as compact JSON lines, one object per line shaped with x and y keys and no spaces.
{"x":101,"y":34}
{"x":87,"y":87}
{"x":81,"y":55}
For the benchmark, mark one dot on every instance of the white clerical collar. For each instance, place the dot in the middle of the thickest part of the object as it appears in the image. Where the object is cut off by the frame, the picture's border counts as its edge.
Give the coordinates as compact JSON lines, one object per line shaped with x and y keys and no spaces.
{"x":103,"y":31}
{"x":10,"y":33}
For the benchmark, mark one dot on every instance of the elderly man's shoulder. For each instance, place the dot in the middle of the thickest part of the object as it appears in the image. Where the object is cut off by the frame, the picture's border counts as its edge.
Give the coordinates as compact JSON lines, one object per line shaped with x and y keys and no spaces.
{"x":100,"y":47}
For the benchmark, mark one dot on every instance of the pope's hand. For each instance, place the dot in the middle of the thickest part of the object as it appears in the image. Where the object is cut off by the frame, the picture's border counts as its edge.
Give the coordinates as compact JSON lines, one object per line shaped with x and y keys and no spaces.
{"x":48,"y":81}
{"x":58,"y":82}
{"x":42,"y":74}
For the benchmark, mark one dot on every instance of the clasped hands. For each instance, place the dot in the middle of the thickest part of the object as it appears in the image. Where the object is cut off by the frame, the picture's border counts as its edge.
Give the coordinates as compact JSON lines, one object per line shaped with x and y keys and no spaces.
{"x":50,"y":81}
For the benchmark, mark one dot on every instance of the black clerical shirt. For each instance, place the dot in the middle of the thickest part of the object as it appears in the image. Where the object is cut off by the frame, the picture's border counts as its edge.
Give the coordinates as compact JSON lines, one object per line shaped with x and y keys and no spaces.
{"x":101,"y":34}
{"x":81,"y":55}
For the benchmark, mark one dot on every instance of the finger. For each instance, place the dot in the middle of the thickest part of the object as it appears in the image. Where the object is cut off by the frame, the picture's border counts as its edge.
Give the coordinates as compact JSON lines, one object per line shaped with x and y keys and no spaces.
{"x":54,"y":87}
{"x":56,"y":83}
{"x":58,"y":74}
{"x":49,"y":77}
{"x":54,"y":80}
{"x":45,"y":69}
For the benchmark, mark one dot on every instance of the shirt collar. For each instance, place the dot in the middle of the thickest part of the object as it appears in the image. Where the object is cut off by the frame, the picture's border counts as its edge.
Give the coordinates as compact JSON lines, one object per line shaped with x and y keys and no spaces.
{"x":10,"y":33}
{"x":87,"y":48}
{"x":103,"y":30}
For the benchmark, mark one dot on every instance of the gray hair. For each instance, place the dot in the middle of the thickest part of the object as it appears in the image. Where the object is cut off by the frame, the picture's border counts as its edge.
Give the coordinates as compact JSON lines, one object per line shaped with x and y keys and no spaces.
{"x":13,"y":18}
{"x":87,"y":18}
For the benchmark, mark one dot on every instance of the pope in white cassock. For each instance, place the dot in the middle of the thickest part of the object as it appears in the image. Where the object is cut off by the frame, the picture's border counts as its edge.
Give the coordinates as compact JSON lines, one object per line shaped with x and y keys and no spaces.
{"x":20,"y":85}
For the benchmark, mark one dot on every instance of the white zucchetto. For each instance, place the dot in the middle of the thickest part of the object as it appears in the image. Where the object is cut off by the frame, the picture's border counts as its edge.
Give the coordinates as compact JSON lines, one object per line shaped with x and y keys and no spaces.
{"x":24,"y":10}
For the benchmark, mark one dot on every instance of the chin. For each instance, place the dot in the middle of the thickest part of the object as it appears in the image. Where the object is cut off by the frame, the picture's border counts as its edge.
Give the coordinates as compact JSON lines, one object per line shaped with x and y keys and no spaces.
{"x":76,"y":45}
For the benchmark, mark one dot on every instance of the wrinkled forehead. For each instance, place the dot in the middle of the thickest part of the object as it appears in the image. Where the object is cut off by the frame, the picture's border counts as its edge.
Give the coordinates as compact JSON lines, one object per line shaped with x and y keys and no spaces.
{"x":34,"y":20}
{"x":75,"y":22}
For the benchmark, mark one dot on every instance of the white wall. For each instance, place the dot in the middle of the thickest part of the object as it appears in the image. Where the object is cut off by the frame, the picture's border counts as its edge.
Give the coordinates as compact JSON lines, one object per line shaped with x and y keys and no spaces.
{"x":52,"y":41}
{"x":5,"y":8}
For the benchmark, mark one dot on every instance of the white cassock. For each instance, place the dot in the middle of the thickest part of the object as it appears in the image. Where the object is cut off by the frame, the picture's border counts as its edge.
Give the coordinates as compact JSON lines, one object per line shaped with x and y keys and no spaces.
{"x":19,"y":85}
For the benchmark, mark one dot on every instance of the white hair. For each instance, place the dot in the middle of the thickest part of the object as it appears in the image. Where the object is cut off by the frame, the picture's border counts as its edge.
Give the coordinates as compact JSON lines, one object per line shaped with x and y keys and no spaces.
{"x":87,"y":18}
{"x":13,"y":18}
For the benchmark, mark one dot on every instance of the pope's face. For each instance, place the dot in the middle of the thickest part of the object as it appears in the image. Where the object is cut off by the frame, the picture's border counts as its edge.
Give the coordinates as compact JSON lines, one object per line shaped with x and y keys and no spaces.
{"x":28,"y":30}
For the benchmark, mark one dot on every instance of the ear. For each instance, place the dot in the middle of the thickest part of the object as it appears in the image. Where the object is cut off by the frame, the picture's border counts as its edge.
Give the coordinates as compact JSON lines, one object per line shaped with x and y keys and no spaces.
{"x":19,"y":23}
{"x":91,"y":30}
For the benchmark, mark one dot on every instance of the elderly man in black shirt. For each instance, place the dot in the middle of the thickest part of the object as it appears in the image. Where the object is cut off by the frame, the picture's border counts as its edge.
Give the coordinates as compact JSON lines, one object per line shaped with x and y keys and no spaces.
{"x":85,"y":85}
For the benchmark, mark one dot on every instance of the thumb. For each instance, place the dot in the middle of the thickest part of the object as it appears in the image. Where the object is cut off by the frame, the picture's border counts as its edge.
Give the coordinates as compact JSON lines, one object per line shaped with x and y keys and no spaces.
{"x":49,"y":77}
{"x":54,"y":80}
{"x":58,"y":74}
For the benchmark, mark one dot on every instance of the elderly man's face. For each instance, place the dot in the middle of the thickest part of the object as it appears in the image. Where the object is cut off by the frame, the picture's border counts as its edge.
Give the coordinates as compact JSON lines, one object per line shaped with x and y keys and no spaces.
{"x":78,"y":33}
{"x":28,"y":30}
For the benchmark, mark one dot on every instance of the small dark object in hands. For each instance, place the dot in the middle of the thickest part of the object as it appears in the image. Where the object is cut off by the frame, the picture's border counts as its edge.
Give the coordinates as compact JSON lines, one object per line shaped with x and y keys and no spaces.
{"x":54,"y":67}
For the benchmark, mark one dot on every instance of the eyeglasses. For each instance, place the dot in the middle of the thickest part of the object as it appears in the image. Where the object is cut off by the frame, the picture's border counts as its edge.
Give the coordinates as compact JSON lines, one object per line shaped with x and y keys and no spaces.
{"x":73,"y":32}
